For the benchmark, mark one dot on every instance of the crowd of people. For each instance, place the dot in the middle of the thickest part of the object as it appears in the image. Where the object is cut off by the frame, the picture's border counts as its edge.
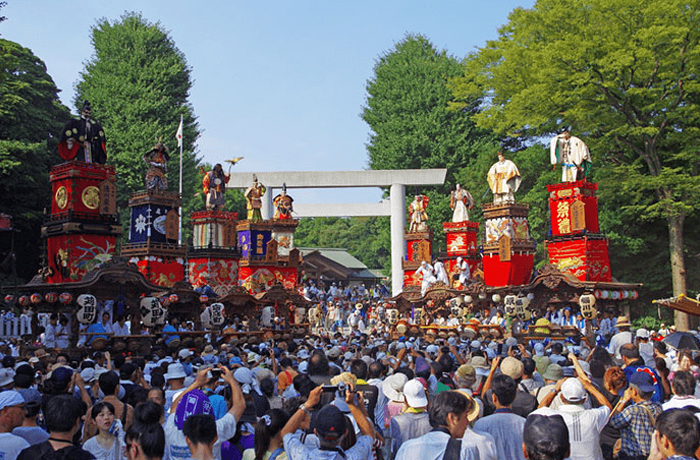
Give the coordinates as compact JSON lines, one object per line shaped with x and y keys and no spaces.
{"x":336,"y":395}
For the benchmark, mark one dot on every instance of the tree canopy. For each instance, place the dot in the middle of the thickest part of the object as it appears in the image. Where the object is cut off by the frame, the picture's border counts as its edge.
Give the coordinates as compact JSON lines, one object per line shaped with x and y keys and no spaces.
{"x":623,"y":73}
{"x":30,"y":112}
{"x":138,"y":83}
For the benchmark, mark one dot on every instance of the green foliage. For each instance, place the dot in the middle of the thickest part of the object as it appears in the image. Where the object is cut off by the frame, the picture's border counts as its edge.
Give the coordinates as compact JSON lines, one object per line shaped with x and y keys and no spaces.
{"x":366,"y":238}
{"x":138,"y":83}
{"x":624,"y":74}
{"x":30,"y":112}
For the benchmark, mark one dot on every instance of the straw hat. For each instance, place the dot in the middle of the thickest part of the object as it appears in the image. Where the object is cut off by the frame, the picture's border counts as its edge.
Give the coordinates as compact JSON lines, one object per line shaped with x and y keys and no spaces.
{"x":622,"y":321}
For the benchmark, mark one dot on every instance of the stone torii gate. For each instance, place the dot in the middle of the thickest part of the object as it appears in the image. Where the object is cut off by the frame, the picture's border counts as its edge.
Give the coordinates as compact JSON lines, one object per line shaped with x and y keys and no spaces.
{"x":395,"y":207}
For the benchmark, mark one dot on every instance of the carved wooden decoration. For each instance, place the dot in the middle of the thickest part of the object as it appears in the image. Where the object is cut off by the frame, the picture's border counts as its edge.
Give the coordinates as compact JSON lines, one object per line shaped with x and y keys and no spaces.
{"x":230,"y":234}
{"x":172,"y":220}
{"x":108,"y":197}
{"x":504,"y":248}
{"x":271,"y":255}
{"x":578,"y":216}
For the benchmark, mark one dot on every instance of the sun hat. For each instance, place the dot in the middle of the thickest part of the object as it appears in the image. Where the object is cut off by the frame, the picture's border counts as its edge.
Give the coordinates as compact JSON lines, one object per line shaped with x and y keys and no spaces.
{"x":7,"y":376}
{"x":642,"y":333}
{"x":473,"y":414}
{"x":512,"y":367}
{"x":553,"y":372}
{"x":175,"y":371}
{"x":392,"y":386}
{"x":572,"y":390}
{"x":184,"y":353}
{"x":414,"y":393}
{"x":622,"y":321}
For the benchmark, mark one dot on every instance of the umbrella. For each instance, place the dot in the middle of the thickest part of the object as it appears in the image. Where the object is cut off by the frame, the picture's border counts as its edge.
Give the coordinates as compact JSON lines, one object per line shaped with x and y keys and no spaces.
{"x":681,"y":340}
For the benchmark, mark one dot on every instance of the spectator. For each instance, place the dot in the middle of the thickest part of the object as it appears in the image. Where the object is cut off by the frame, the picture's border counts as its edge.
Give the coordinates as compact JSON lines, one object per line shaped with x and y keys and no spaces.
{"x":106,"y":445}
{"x":200,"y":434}
{"x":677,"y":436}
{"x":329,"y":426}
{"x":624,"y":336}
{"x":449,"y":416}
{"x":268,"y":437}
{"x":29,"y":430}
{"x":683,"y":388}
{"x":584,"y":424}
{"x":634,"y":363}
{"x":484,"y":442}
{"x":145,"y":439}
{"x":414,"y":422}
{"x":109,"y":383}
{"x":504,"y":425}
{"x":546,"y":438}
{"x":62,"y":415}
{"x":11,"y":416}
{"x":636,"y":422}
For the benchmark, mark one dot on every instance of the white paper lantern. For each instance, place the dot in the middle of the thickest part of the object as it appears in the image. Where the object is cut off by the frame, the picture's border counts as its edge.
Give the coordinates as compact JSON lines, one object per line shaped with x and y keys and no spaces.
{"x":496,"y":298}
{"x":152,"y":312}
{"x":88,"y":308}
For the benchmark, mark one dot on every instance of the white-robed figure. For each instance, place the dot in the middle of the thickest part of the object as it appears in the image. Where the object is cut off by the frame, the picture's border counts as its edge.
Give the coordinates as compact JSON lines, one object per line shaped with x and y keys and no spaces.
{"x":426,"y":270}
{"x":463,"y":272}
{"x":573,"y":155}
{"x":504,"y":180}
{"x":461,"y":202}
{"x":440,"y":273}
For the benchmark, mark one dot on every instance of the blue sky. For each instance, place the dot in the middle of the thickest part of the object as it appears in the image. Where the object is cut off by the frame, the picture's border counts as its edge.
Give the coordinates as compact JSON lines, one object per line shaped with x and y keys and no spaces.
{"x":281,"y":83}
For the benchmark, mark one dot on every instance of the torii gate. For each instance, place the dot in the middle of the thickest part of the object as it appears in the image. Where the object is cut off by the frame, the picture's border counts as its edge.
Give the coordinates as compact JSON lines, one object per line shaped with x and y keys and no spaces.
{"x":395,"y":207}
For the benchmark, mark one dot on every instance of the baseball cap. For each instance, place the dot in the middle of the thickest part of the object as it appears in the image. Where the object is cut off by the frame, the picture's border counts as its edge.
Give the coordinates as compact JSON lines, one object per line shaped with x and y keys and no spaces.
{"x":572,"y":390}
{"x":10,"y":398}
{"x":415,"y":394}
{"x":329,"y":422}
{"x":539,"y":349}
{"x":512,"y":367}
{"x":642,"y":333}
{"x":88,"y":374}
{"x":643,"y":381}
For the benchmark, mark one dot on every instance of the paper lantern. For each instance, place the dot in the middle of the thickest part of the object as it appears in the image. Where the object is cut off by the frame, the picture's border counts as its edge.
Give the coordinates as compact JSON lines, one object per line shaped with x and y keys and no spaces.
{"x":393,"y":316}
{"x":203,"y":299}
{"x":152,"y":312}
{"x":635,"y":295}
{"x":468,"y":299}
{"x":598,"y":294}
{"x":65,"y":298}
{"x":36,"y":298}
{"x":9,"y":299}
{"x":217,"y":314}
{"x":496,"y":298}
{"x":51,"y":297}
{"x":509,"y":305}
{"x":87,"y":311}
{"x":530,"y":296}
{"x":24,"y":300}
{"x":616,"y":295}
{"x":165,"y":301}
{"x":482,"y":296}
{"x":625,"y":294}
{"x":174,"y":298}
{"x":587,"y":304}
{"x":605,"y":294}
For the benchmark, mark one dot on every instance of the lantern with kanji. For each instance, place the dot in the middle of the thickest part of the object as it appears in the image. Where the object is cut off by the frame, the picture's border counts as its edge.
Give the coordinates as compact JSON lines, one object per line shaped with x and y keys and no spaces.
{"x":87,"y":311}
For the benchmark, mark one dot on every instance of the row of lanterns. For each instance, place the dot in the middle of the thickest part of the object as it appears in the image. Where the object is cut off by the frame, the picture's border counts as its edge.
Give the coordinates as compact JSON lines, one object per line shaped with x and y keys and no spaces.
{"x":615,"y":295}
{"x":35,"y":299}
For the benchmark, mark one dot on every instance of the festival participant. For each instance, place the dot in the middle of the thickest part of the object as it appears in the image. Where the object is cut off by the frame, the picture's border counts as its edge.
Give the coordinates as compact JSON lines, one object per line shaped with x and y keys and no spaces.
{"x":200,"y":434}
{"x":253,"y":196}
{"x":50,"y":331}
{"x":157,"y":161}
{"x":461,"y":202}
{"x":449,"y":416}
{"x":504,"y":180}
{"x":83,"y":139}
{"x":636,"y":421}
{"x":214,"y":188}
{"x":572,"y":154}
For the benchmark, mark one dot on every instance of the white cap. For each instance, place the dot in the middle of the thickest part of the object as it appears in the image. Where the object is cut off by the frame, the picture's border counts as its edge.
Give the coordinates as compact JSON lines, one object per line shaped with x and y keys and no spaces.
{"x":415,"y":393}
{"x":572,"y":390}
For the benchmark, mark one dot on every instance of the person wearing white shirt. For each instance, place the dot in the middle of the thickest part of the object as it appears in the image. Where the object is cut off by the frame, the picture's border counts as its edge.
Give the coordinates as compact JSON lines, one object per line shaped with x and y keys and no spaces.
{"x":50,"y":331}
{"x":683,"y":387}
{"x":11,"y":416}
{"x":120,"y":327}
{"x":449,"y":416}
{"x":584,"y":424}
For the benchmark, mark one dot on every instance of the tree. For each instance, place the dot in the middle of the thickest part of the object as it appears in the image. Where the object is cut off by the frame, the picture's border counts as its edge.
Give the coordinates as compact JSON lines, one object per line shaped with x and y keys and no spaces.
{"x":624,"y":74}
{"x":411,"y":128}
{"x":138,"y":83}
{"x":30,"y":112}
